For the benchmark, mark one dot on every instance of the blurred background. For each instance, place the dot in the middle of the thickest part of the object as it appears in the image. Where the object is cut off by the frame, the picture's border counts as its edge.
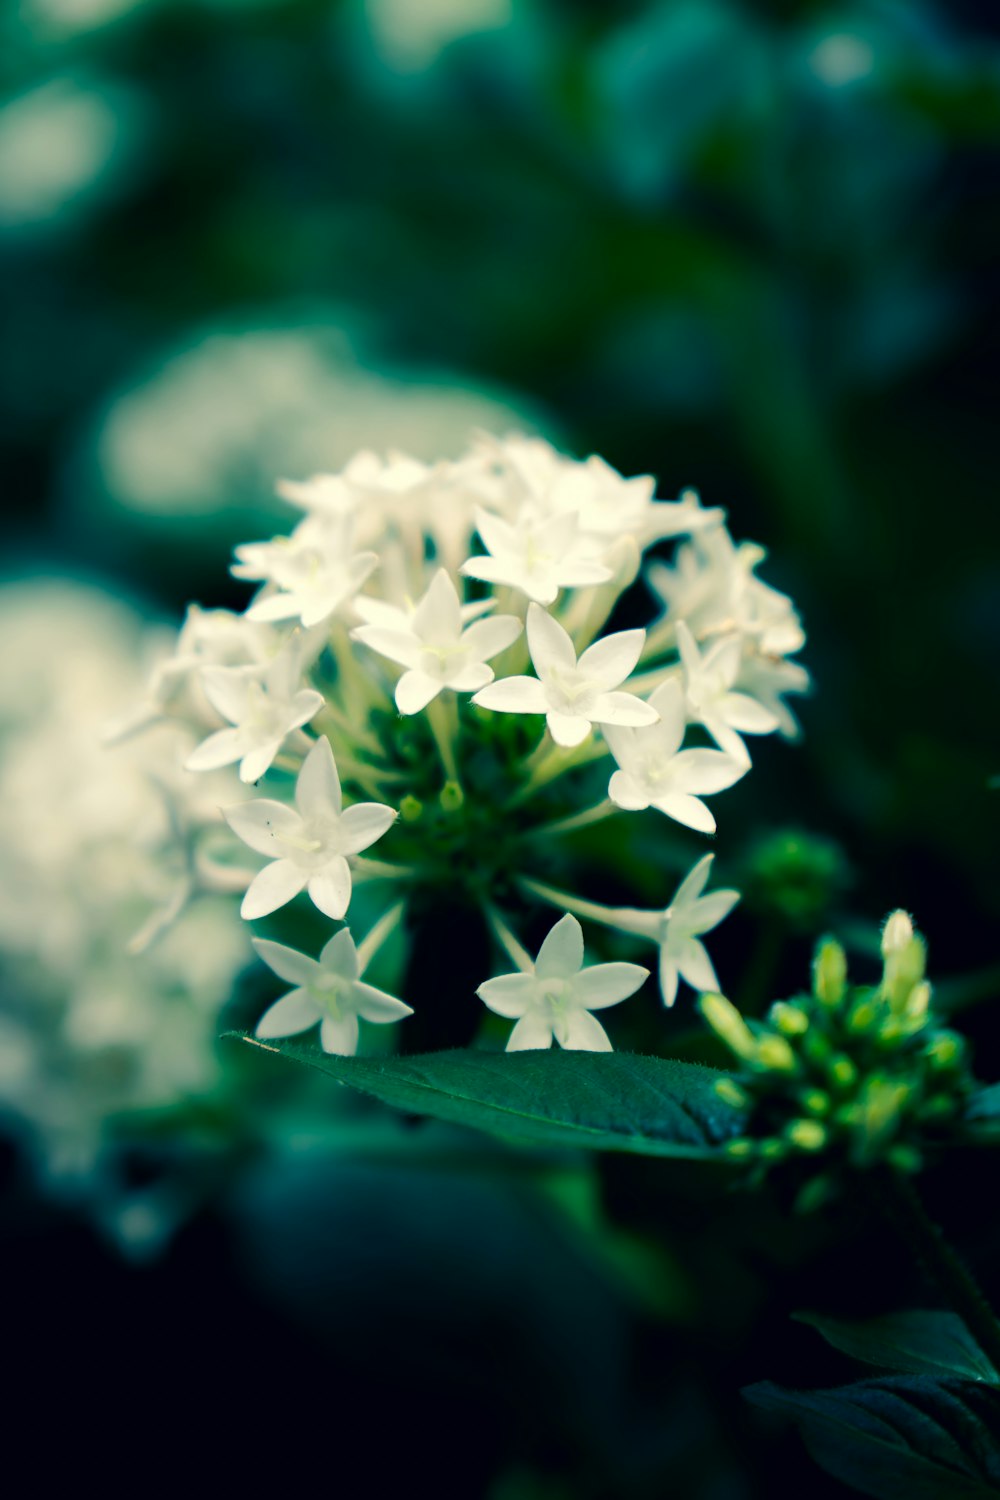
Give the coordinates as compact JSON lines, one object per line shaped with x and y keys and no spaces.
{"x":751,"y":249}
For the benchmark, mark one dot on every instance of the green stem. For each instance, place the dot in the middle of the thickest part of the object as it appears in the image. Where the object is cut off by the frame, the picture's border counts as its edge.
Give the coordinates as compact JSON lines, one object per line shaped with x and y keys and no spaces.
{"x":519,"y":955}
{"x":623,"y":918}
{"x":384,"y":927}
{"x":443,"y":728}
{"x":557,"y":763}
{"x":605,"y":809}
{"x":896,"y":1199}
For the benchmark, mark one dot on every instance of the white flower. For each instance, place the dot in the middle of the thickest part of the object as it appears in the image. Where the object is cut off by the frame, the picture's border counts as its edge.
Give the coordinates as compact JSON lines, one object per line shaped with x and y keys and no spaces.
{"x":655,"y":772}
{"x":437,"y":649}
{"x":573,"y":695}
{"x":679,"y":929}
{"x":315,"y":570}
{"x":328,"y":990}
{"x":539,"y":556}
{"x":709,"y":695}
{"x":555,"y":996}
{"x":767,"y":678}
{"x":262,"y":708}
{"x":309,"y":843}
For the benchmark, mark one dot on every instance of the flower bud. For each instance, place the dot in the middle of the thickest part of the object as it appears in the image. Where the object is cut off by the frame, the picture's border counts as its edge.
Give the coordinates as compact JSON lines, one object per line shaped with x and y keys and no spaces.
{"x":830,"y":973}
{"x":945,"y":1051}
{"x":790,"y":1020}
{"x":842,"y":1072}
{"x":775,"y":1055}
{"x":815,"y":1101}
{"x":897,"y":933}
{"x":451,"y":797}
{"x":727,"y":1023}
{"x":740,"y":1150}
{"x":730,"y":1093}
{"x":806,"y":1135}
{"x":410,"y":808}
{"x":864,"y":1017}
{"x":904,"y":1158}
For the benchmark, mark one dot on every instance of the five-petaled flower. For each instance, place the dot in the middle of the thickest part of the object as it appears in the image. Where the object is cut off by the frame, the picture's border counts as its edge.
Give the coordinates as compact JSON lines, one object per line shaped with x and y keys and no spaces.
{"x":263,"y":708}
{"x":314,"y":571}
{"x":555,"y":997}
{"x":437,"y":647}
{"x":678,"y":930}
{"x":711,"y":698}
{"x":329,"y":990}
{"x":655,"y":772}
{"x":573,"y":695}
{"x":538,"y":555}
{"x":309,"y":843}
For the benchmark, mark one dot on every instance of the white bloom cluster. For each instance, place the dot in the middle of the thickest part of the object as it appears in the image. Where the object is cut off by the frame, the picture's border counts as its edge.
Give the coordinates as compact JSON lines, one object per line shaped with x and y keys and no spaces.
{"x":93,"y":865}
{"x":428,"y":640}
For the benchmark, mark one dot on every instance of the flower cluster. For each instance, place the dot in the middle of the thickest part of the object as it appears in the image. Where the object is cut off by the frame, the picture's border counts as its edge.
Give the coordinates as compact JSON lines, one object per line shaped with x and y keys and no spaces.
{"x":426,"y":667}
{"x":850,"y":1076}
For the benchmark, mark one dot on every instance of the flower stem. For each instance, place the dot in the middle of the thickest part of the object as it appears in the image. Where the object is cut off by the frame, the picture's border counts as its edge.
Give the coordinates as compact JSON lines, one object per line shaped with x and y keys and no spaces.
{"x":384,"y":928}
{"x":444,"y":726}
{"x":556,"y":763}
{"x":623,"y":918}
{"x":520,"y":956}
{"x":605,"y":809}
{"x":897,"y":1200}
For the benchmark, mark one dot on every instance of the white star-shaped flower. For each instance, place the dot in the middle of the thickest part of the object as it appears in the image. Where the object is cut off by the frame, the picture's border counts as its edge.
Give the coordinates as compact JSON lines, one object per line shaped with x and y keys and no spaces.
{"x":314,"y":571}
{"x":262,"y":707}
{"x":538,"y":555}
{"x":767,"y":678}
{"x":678,"y":931}
{"x":573,"y":695}
{"x":655,"y":772}
{"x":555,"y":997}
{"x":309,"y":843}
{"x":437,"y":648}
{"x":710,"y":697}
{"x":329,"y":990}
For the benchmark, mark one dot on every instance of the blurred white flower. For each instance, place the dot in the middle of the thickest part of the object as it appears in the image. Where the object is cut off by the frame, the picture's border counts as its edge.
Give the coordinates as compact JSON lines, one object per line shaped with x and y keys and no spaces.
{"x":709,"y":695}
{"x":263,"y":709}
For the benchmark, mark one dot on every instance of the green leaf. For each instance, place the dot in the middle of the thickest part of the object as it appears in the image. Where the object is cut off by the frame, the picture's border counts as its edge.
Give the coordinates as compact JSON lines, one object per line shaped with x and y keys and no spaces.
{"x":918,"y":1342}
{"x":905,"y":1435}
{"x":607,"y":1101}
{"x":985,"y":1105}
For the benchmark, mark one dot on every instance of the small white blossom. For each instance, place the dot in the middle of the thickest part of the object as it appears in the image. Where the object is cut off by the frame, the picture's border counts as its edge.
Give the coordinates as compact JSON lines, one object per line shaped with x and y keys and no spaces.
{"x":315,"y":571}
{"x":309,"y":843}
{"x":679,"y":929}
{"x":436,"y":648}
{"x":709,"y":695}
{"x":328,"y":990}
{"x":655,"y":772}
{"x":573,"y":695}
{"x":538,"y":555}
{"x":555,"y":997}
{"x":767,"y":679}
{"x":262,"y":709}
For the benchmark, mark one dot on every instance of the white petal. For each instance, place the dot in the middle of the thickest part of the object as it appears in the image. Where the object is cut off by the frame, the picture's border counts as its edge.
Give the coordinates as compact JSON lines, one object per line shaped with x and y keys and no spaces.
{"x":745,"y":713}
{"x":257,"y":761}
{"x":498,"y":570}
{"x":317,"y":790}
{"x":609,"y":661}
{"x":584,"y":1033}
{"x":686,"y":810}
{"x":627,"y":793}
{"x":486,"y":638}
{"x":727,"y":739}
{"x":330,"y":888}
{"x":579,"y":572}
{"x":668,"y":977}
{"x":497,"y":535}
{"x":712,"y":909}
{"x":287,"y":963}
{"x":293,"y":1012}
{"x":624,"y":709}
{"x":693,"y":883}
{"x":513,"y":695}
{"x":414,"y":691}
{"x":340,"y":956}
{"x":548,"y":643}
{"x":271,"y":888}
{"x":532,"y":1033}
{"x":220,"y":749}
{"x":397,"y":646}
{"x":228,"y":691}
{"x":705,"y":771}
{"x":260,"y":823}
{"x":561,"y":954}
{"x":470,"y":678}
{"x":668,"y":700}
{"x":509,"y":995}
{"x":364,"y":823}
{"x":305,"y":706}
{"x":274,"y":607}
{"x":339,"y":1036}
{"x":437,"y":617}
{"x":375,"y":1005}
{"x":723,"y":660}
{"x":696,"y":966}
{"x":690,"y":655}
{"x":567,"y":729}
{"x":608,"y":984}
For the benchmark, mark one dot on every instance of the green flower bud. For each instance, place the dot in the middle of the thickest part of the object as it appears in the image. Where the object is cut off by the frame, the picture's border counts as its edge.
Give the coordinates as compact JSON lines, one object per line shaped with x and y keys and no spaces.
{"x":815,"y":1101}
{"x":806,"y":1135}
{"x":841,"y":1072}
{"x":775,"y":1055}
{"x":740,"y":1150}
{"x":830,"y":973}
{"x":814,"y":1194}
{"x":730,"y":1093}
{"x":864,"y":1017}
{"x":790,"y":1020}
{"x":727,"y":1023}
{"x":945,"y":1051}
{"x":897,"y":932}
{"x":816,"y":1047}
{"x":410,"y":808}
{"x":904,"y":1158}
{"x":773,"y":1149}
{"x":451,"y":798}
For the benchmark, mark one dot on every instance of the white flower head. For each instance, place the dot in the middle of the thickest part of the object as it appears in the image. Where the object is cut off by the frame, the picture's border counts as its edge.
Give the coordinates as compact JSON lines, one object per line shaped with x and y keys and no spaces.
{"x":263,"y":708}
{"x":709,"y":695}
{"x":329,"y":990}
{"x":538,"y":555}
{"x":555,"y":997}
{"x":573,"y":695}
{"x":314,"y":571}
{"x":436,"y":646}
{"x":767,"y":679}
{"x":308,"y":844}
{"x":655,"y":772}
{"x":688,"y":917}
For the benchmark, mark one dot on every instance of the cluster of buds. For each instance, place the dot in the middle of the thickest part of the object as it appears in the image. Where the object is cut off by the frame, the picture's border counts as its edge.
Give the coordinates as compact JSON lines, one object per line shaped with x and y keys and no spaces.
{"x":848,"y":1077}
